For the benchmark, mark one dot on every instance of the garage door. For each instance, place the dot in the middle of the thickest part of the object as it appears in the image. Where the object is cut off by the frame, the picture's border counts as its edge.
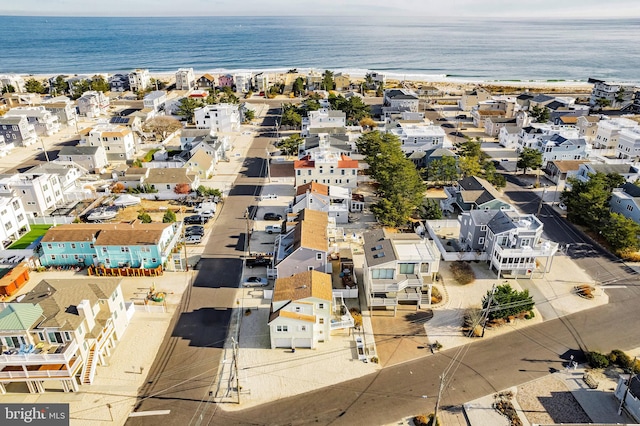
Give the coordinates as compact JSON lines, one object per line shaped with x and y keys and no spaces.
{"x":282,"y":342}
{"x":302,"y":343}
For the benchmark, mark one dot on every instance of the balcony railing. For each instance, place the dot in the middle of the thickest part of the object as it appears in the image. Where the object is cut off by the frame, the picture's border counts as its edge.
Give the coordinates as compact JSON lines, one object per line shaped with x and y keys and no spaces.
{"x":401,"y":282}
{"x":63,"y":354}
{"x":42,"y":373}
{"x":383,"y":301}
{"x":547,"y":248}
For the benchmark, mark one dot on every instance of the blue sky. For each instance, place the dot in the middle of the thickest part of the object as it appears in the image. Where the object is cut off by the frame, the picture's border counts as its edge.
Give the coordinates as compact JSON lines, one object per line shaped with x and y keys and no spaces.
{"x":427,"y":8}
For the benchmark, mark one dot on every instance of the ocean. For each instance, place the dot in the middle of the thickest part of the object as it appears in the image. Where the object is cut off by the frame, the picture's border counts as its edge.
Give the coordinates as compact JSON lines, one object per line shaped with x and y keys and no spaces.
{"x":411,"y":48}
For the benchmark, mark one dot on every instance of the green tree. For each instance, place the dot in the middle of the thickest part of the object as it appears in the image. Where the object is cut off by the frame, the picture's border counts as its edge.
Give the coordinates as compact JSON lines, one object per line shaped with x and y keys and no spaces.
{"x":540,"y":114}
{"x":368,"y":80}
{"x":620,"y":95}
{"x":310,"y":105}
{"x":187,"y":107}
{"x":8,"y":88}
{"x":249,"y":115}
{"x":169,"y":217}
{"x":430,"y":210}
{"x":444,"y":170}
{"x":291,"y":145}
{"x":470,"y":166}
{"x":144,"y":217}
{"x":621,"y":233}
{"x":602,"y":103}
{"x":507,"y":302}
{"x":204,"y":191}
{"x":34,"y":86}
{"x":79,"y":87}
{"x":588,"y":202}
{"x":291,"y":116}
{"x":162,"y":126}
{"x":99,"y":84}
{"x":470,"y":148}
{"x":298,"y":86}
{"x":60,"y":85}
{"x":529,"y":158}
{"x":327,"y":80}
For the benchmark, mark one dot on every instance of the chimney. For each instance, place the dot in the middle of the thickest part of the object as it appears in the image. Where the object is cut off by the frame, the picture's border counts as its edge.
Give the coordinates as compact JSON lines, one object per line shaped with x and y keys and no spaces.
{"x":84,"y":310}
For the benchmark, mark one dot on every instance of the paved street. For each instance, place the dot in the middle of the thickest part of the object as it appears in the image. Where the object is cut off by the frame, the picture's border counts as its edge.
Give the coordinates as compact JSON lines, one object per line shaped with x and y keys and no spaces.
{"x":184,"y":372}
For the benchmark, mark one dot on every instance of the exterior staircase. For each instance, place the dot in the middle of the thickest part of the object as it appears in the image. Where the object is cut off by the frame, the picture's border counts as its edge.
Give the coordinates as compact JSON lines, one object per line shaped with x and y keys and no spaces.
{"x":89,"y":369}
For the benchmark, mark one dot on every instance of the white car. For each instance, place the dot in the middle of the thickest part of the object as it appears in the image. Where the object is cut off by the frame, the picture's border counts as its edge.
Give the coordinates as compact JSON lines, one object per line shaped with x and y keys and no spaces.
{"x":193,"y":239}
{"x":562,"y":206}
{"x":255,"y":282}
{"x":207,"y":214}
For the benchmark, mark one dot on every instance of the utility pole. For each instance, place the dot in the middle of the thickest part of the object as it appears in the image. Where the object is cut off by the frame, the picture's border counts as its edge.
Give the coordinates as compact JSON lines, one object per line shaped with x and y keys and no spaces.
{"x":544,"y":192}
{"x":248,"y":244}
{"x":235,"y":367}
{"x":435,"y":410}
{"x":626,"y":391}
{"x":184,"y":243}
{"x":486,"y":314}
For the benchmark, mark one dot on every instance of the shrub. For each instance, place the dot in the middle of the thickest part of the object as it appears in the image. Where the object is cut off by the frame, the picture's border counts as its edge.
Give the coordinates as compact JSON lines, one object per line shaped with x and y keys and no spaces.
{"x":507,"y":302}
{"x":357,"y":317}
{"x":462,"y":272}
{"x":529,"y":315}
{"x":597,"y":360}
{"x":427,"y":420}
{"x":620,"y":359}
{"x":169,"y":217}
{"x":436,"y":297}
{"x":144,"y":217}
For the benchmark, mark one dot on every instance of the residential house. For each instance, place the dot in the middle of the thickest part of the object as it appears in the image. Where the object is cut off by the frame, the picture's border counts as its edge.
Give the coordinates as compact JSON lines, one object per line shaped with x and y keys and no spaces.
{"x":562,"y":113}
{"x":342,"y":143}
{"x":91,"y":158}
{"x":540,"y":100}
{"x":326,"y":167}
{"x":201,"y":163}
{"x":185,"y":80}
{"x":113,"y":245}
{"x":588,"y":127}
{"x":303,"y":245}
{"x":225,"y":80}
{"x":63,"y":108}
{"x":508,"y":136}
{"x":206,"y":82}
{"x":117,"y":141}
{"x":630,"y":172}
{"x":341,"y":81}
{"x":155,"y":100}
{"x":20,"y":99}
{"x":68,"y":175}
{"x":558,"y":147}
{"x":493,"y":108}
{"x":314,"y":81}
{"x":513,"y":241}
{"x":333,"y":200}
{"x":628,"y":392}
{"x":606,"y":135}
{"x":323,"y":118}
{"x":61,"y":331}
{"x":301,"y":310}
{"x":192,"y":140}
{"x":493,"y":125}
{"x":218,"y":118}
{"x":13,"y":217}
{"x":261,"y":82}
{"x":428,"y":91}
{"x":557,"y":171}
{"x":39,"y":192}
{"x":243,"y":82}
{"x":398,"y":268}
{"x":617,"y":95}
{"x":119,"y":83}
{"x":5,"y":148}
{"x":93,"y":104}
{"x":418,"y":137}
{"x":132,"y":122}
{"x":629,"y":144}
{"x":166,"y":180}
{"x":471,"y":98}
{"x":139,"y":80}
{"x":18,"y":131}
{"x":626,"y":201}
{"x":523,"y":100}
{"x":378,"y":79}
{"x":131,"y":177}
{"x":635,"y":106}
{"x":472,"y":193}
{"x":14,"y":80}
{"x":396,"y":100}
{"x":44,"y":122}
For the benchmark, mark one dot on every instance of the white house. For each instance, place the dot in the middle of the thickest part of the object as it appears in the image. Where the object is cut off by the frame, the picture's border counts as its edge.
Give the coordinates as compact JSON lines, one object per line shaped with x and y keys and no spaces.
{"x":629,"y":144}
{"x":322,"y":118}
{"x":91,"y":158}
{"x":44,"y":122}
{"x":630,"y":172}
{"x":333,"y":200}
{"x":39,"y":192}
{"x":508,"y":136}
{"x":66,"y":326}
{"x":14,"y":80}
{"x":155,"y":100}
{"x":418,"y":137}
{"x":13,"y":217}
{"x":301,"y":310}
{"x":165,"y":180}
{"x":557,"y":147}
{"x":218,"y":117}
{"x":185,"y":80}
{"x":117,"y":141}
{"x":68,"y":175}
{"x":617,"y":94}
{"x":398,"y":267}
{"x":18,"y":131}
{"x":396,"y":100}
{"x":243,"y":82}
{"x":93,"y":104}
{"x":139,"y":80}
{"x":63,"y":108}
{"x":326,"y":167}
{"x":606,"y":135}
{"x":470,"y":98}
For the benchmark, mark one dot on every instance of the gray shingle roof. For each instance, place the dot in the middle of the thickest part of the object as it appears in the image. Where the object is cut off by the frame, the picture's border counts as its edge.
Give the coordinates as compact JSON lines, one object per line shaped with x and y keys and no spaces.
{"x":78,"y":150}
{"x":501,"y":223}
{"x":377,"y":248}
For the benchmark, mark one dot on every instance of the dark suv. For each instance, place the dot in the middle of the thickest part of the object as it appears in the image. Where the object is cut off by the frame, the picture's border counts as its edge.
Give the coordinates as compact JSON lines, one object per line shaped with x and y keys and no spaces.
{"x":257,"y":261}
{"x":272,"y":216}
{"x":195,"y":219}
{"x":194,"y":230}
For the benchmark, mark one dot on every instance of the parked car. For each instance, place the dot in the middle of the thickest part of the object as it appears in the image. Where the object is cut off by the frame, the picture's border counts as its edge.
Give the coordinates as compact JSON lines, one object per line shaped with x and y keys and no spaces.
{"x":461,"y":116}
{"x":253,"y":262}
{"x":562,"y":206}
{"x":273,"y":229}
{"x":194,"y":230}
{"x":193,"y":239}
{"x":195,"y":219}
{"x":272,"y":216}
{"x":207,"y":214}
{"x":269,"y":197}
{"x":255,"y":282}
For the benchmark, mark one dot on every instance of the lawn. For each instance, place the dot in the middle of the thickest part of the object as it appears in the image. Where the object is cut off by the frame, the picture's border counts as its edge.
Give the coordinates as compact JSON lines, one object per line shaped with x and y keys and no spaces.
{"x":36,"y":232}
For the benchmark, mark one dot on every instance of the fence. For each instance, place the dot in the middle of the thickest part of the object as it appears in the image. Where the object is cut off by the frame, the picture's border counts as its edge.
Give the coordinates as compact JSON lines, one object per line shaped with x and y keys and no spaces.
{"x":433,"y":225}
{"x":50,"y":220}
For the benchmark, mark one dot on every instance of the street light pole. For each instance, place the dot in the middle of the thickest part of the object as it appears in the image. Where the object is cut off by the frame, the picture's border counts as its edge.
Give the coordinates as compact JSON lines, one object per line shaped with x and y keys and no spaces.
{"x":248,"y":235}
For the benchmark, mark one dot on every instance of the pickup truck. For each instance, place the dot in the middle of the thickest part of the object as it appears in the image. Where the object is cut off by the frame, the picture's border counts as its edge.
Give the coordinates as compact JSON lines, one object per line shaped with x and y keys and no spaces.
{"x":273,"y":229}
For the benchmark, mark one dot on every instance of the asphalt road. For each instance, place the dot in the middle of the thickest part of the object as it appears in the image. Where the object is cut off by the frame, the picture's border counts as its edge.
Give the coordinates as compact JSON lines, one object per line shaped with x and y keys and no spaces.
{"x":185,"y":369}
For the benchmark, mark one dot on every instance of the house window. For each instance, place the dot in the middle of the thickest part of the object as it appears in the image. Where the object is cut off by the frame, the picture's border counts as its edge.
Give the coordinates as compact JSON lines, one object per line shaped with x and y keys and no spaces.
{"x":282,"y":328}
{"x":407,"y":268}
{"x":298,"y":309}
{"x":630,"y":208}
{"x":320,"y":320}
{"x":115,"y":314}
{"x":73,"y":245}
{"x":104,"y":249}
{"x":320,"y":305}
{"x":67,"y":336}
{"x":481,"y":240}
{"x":319,"y":256}
{"x":154,"y":260}
{"x":41,"y":336}
{"x":303,"y":328}
{"x":124,"y":249}
{"x":483,"y":228}
{"x":49,"y":246}
{"x":310,"y":268}
{"x":53,"y":257}
{"x":382,"y":274}
{"x":525,"y":242}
